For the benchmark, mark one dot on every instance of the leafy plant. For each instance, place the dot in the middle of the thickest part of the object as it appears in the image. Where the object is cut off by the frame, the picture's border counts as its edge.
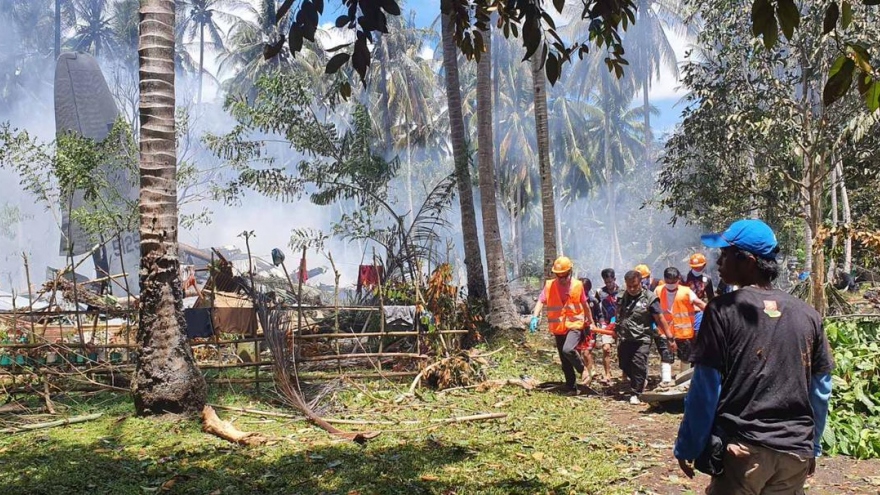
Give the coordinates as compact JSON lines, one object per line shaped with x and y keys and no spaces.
{"x":853,"y":426}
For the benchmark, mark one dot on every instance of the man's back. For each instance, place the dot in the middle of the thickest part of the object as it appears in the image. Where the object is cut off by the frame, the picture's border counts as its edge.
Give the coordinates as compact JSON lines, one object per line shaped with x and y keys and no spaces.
{"x":767,"y":345}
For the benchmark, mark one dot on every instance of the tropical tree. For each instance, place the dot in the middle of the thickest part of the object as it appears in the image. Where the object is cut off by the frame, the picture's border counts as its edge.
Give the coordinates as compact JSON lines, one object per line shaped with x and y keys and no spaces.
{"x":548,"y":203}
{"x":93,"y":31}
{"x":246,"y":41}
{"x":198,"y":16}
{"x":756,"y":117}
{"x":501,"y":310}
{"x":650,"y":51}
{"x":25,"y":52}
{"x":476,"y":282}
{"x":404,"y":88}
{"x":166,"y":378}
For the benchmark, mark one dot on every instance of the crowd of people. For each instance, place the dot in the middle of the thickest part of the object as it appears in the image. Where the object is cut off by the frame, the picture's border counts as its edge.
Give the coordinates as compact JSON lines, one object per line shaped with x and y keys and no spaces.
{"x":758,"y":398}
{"x":645,"y":312}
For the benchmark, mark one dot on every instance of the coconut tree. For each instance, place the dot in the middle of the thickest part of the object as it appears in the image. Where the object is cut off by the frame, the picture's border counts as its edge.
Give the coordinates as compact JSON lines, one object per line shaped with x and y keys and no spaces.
{"x":649,"y":50}
{"x":94,"y":30}
{"x":501,"y":310}
{"x":166,"y":378}
{"x":199,"y":16}
{"x":405,"y":88}
{"x":548,"y":204}
{"x":472,"y":260}
{"x":515,"y":138}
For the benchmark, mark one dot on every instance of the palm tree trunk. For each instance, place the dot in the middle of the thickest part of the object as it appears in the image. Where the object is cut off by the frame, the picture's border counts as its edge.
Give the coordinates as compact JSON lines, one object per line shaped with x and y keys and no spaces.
{"x":501,"y":310}
{"x":201,"y":58}
{"x":473,"y":262}
{"x":616,"y":257}
{"x":57,"y":29}
{"x":646,"y":102}
{"x":166,"y":378}
{"x":548,"y":204}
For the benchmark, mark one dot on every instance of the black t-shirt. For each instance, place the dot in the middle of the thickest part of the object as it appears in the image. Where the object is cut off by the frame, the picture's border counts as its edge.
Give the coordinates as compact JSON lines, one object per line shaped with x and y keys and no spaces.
{"x":635,"y":316}
{"x":767,"y":345}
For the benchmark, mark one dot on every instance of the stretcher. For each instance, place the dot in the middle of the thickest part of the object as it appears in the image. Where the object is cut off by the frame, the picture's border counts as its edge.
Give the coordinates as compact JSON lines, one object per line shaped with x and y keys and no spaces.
{"x":674,"y":393}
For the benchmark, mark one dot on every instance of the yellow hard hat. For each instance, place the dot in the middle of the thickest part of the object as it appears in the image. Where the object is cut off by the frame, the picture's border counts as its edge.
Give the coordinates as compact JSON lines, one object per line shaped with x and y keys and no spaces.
{"x":643,"y":270}
{"x":561,"y":265}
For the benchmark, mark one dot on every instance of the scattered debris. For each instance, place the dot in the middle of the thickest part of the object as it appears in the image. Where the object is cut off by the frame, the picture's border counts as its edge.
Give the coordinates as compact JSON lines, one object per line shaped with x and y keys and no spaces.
{"x":52,"y":424}
{"x":212,"y":424}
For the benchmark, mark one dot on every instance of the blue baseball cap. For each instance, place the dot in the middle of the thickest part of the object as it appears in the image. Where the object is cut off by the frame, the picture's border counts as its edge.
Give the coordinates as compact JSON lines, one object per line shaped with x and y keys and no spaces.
{"x":752,"y":236}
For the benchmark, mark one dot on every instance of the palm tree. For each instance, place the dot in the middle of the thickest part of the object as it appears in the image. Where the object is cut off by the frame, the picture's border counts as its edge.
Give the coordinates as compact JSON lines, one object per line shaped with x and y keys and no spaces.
{"x":166,"y":378}
{"x":501,"y":311}
{"x":201,"y":15}
{"x":649,"y":50}
{"x":244,"y":55}
{"x":472,"y":260}
{"x":548,"y":205}
{"x":25,"y":53}
{"x":405,"y":84}
{"x":93,"y":31}
{"x":515,"y":139}
{"x":617,"y":138}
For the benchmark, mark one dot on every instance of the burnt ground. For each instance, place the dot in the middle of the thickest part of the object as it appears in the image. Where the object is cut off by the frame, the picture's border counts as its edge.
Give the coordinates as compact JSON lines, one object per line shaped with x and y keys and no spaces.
{"x":648,"y":433}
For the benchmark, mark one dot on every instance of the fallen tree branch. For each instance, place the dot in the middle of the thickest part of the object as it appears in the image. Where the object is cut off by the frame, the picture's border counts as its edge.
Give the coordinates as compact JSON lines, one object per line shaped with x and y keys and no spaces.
{"x":527,"y":383}
{"x":257,"y":412}
{"x":52,"y":424}
{"x":212,"y":424}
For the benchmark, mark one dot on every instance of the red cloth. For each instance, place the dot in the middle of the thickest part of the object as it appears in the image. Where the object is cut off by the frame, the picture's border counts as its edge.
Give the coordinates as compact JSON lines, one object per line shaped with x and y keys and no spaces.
{"x":369,"y":276}
{"x":303,"y":273}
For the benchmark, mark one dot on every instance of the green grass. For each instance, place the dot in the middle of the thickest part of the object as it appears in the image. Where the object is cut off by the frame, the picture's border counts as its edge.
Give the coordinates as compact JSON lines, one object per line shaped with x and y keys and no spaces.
{"x":547,"y":444}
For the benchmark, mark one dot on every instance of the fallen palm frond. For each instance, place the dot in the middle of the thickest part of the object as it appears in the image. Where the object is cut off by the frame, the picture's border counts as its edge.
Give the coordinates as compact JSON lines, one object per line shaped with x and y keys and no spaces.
{"x":462,"y":369}
{"x":837,"y":303}
{"x":277,"y":326}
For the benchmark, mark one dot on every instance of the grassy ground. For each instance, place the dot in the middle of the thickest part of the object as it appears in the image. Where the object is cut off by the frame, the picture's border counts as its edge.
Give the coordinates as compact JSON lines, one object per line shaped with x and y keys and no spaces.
{"x":549,"y":443}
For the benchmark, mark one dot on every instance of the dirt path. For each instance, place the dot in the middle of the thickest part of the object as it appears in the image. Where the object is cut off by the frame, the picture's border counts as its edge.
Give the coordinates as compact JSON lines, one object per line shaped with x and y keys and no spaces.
{"x":648,"y":434}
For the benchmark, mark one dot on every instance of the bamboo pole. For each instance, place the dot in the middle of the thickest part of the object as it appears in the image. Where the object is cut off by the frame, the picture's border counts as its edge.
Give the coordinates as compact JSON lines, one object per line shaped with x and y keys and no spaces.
{"x":27,"y":275}
{"x":52,"y":424}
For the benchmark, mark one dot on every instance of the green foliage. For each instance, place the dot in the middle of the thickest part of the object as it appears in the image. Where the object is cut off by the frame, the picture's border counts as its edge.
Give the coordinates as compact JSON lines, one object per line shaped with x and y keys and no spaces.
{"x":336,"y":164}
{"x":103,"y":172}
{"x":10,"y":217}
{"x":524,"y":19}
{"x":837,"y":20}
{"x":853,"y":426}
{"x":752,"y":141}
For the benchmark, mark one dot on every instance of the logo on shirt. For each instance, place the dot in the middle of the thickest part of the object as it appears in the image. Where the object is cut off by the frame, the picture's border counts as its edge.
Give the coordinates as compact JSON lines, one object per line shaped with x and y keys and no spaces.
{"x":771,"y":310}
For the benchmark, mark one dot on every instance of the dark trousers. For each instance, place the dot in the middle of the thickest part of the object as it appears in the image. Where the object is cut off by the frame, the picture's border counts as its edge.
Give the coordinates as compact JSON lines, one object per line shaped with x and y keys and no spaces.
{"x":663,"y":349}
{"x":571,"y":359}
{"x":633,"y":358}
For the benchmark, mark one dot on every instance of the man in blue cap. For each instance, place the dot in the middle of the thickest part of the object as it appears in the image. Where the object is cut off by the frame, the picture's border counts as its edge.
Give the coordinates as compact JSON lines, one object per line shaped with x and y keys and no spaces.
{"x":758,"y":400}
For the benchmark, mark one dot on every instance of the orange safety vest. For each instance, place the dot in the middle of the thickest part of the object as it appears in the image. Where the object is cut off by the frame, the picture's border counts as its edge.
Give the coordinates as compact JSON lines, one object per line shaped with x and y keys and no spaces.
{"x":682,"y":315}
{"x":563,"y":316}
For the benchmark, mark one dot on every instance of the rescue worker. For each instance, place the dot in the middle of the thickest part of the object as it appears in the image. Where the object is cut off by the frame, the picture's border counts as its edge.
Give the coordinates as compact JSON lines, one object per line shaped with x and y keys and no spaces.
{"x":607,"y":295}
{"x":697,"y":280}
{"x":680,"y":306}
{"x":567,"y":316}
{"x":648,"y":282}
{"x":638,"y":312}
{"x":588,"y":337}
{"x":667,"y":356}
{"x":758,"y":401}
